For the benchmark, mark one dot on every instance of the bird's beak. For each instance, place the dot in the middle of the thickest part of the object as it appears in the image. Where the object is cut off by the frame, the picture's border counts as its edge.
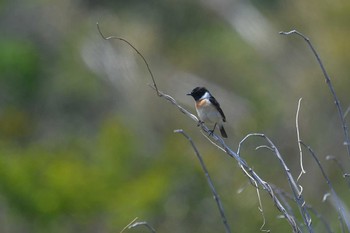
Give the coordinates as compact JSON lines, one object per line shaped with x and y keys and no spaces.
{"x":188,"y":94}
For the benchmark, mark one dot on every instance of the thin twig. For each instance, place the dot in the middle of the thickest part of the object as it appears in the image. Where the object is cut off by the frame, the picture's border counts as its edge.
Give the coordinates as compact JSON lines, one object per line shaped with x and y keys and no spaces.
{"x":136,"y":224}
{"x":341,"y":167}
{"x":340,"y":208}
{"x":133,"y":224}
{"x":325,"y":196}
{"x":135,"y":49}
{"x":333,"y":158}
{"x":221,"y":143}
{"x":253,"y":176}
{"x":283,"y":199}
{"x":264,"y":147}
{"x":298,"y":137}
{"x":346,"y":112}
{"x":261,"y":210}
{"x":292,"y":183}
{"x":210,"y":182}
{"x":243,"y":164}
{"x":127,"y":226}
{"x":183,"y":110}
{"x":330,"y":86}
{"x":212,"y":142}
{"x":283,"y":194}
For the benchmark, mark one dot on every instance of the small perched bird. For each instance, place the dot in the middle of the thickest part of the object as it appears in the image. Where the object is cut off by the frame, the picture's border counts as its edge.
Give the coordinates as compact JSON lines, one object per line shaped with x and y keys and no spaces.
{"x":208,"y":109}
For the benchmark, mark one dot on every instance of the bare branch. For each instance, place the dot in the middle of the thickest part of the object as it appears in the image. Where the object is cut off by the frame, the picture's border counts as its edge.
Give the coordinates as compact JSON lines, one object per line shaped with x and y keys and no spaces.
{"x":242,"y":163}
{"x":255,"y":184}
{"x":264,"y":147}
{"x":333,"y":158}
{"x":283,"y":194}
{"x":133,"y":224}
{"x":346,"y":112}
{"x":183,"y":110}
{"x":325,"y":196}
{"x":292,"y":183}
{"x":220,"y":142}
{"x":330,"y":86}
{"x":210,"y":182}
{"x":280,"y":193}
{"x":127,"y":226}
{"x":340,"y":207}
{"x":341,"y":167}
{"x":135,"y":49}
{"x":261,"y":210}
{"x":240,"y":144}
{"x":298,"y":137}
{"x":136,"y":224}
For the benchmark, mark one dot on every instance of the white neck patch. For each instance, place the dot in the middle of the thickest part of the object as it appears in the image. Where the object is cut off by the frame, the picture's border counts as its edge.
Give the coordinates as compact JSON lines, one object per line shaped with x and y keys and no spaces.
{"x":206,"y":95}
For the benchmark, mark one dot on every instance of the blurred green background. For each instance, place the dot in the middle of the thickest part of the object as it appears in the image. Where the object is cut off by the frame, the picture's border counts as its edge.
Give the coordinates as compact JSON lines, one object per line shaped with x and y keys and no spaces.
{"x":87,"y":146}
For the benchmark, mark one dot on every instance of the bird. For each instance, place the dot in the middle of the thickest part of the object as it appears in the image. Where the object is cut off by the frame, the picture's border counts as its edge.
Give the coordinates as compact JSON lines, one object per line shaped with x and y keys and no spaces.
{"x":208,"y":109}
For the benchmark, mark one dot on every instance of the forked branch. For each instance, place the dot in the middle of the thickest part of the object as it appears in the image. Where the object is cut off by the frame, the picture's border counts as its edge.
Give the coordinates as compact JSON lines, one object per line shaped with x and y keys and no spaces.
{"x":218,"y":141}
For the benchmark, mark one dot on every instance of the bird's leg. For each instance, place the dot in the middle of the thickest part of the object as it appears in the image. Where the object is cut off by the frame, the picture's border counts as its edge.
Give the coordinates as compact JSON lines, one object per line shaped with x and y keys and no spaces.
{"x":200,"y":122}
{"x":212,"y":131}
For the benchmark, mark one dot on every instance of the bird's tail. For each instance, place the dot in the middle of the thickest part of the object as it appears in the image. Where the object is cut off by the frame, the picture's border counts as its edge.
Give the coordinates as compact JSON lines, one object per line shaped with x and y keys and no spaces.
{"x":222,"y":131}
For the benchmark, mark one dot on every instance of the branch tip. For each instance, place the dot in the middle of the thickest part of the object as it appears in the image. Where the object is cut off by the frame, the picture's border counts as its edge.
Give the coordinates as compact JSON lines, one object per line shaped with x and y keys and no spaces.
{"x":330,"y":86}
{"x":136,"y":50}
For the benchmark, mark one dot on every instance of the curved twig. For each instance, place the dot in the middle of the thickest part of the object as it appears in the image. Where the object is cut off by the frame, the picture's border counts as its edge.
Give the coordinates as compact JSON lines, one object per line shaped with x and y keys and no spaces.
{"x":282,"y":194}
{"x":135,"y":49}
{"x":220,"y":142}
{"x":292,"y":183}
{"x":127,"y":226}
{"x":340,"y":208}
{"x":133,"y":224}
{"x":210,"y":182}
{"x":136,"y":224}
{"x":299,"y":140}
{"x":330,"y":86}
{"x":341,"y":167}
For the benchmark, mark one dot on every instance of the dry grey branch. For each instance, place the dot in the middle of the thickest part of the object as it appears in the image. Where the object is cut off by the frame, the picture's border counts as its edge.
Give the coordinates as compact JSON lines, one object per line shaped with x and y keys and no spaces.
{"x":126,"y":227}
{"x":133,"y":224}
{"x":282,"y":194}
{"x":340,"y":210}
{"x":298,"y":137}
{"x":341,"y":167}
{"x":261,"y":209}
{"x":330,"y":86}
{"x":346,"y":112}
{"x":210,"y":182}
{"x":136,"y":224}
{"x":292,"y":183}
{"x":241,"y":162}
{"x":134,"y":48}
{"x":255,"y":184}
{"x":279,"y":193}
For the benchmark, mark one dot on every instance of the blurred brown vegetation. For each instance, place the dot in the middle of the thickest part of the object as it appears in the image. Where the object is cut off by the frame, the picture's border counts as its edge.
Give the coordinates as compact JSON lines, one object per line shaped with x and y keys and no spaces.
{"x":86,"y":145}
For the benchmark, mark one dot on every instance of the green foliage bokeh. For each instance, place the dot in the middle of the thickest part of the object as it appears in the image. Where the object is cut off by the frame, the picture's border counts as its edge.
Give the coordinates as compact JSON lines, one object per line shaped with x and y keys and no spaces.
{"x":87,"y":146}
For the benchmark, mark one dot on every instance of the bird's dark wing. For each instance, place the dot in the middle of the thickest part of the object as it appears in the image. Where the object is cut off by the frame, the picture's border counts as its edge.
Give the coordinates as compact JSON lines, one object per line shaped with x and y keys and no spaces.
{"x":217,"y":105}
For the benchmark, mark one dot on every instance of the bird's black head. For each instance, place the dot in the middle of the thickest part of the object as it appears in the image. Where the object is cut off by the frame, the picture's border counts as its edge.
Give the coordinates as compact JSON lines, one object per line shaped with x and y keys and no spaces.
{"x":198,"y":92}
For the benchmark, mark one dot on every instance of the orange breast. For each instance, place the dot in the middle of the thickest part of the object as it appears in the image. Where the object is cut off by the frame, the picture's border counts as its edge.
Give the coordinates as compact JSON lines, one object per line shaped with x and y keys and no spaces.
{"x":202,"y":103}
